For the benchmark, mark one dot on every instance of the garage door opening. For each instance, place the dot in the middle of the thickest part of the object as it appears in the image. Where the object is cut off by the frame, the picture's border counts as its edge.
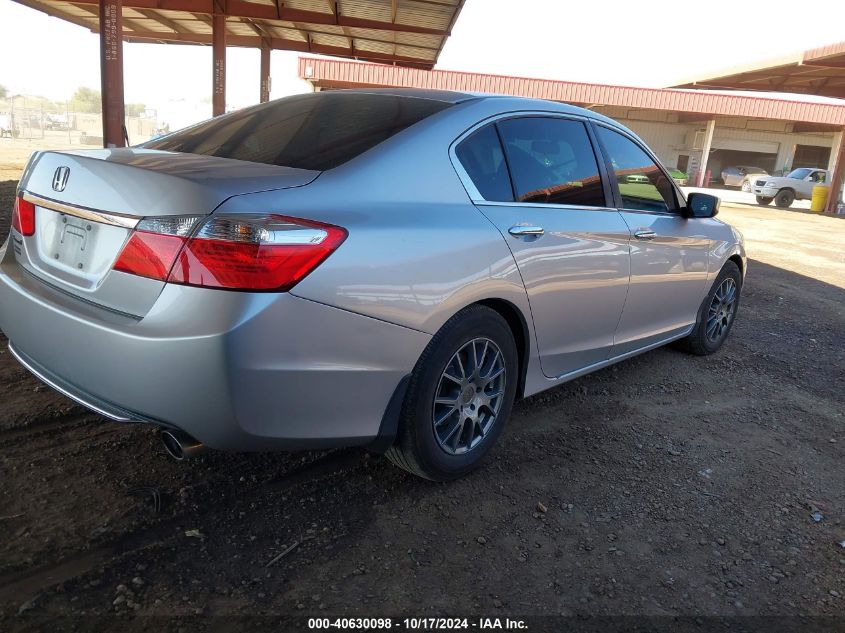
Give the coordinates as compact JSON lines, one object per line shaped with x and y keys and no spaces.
{"x":811,"y":156}
{"x":723,"y":158}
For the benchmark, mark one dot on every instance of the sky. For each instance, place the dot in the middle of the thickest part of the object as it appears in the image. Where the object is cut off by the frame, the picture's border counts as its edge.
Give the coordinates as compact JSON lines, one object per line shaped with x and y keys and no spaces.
{"x":625,"y":42}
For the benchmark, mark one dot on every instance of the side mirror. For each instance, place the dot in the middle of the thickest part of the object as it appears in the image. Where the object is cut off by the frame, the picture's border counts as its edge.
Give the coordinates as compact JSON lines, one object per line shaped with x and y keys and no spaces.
{"x":701,"y":205}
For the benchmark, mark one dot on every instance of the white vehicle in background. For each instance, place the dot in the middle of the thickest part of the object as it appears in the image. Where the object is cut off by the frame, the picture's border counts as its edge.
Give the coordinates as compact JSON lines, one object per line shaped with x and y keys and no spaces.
{"x":742,"y":176}
{"x":784,"y":190}
{"x":60,"y":122}
{"x":7,"y":126}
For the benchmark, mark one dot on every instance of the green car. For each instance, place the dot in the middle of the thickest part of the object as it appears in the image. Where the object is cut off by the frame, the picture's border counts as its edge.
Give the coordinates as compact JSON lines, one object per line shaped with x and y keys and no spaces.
{"x":679,"y":177}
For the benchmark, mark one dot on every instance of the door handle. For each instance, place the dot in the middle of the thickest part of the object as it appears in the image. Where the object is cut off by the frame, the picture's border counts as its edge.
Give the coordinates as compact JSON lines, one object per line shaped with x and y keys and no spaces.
{"x":526,"y":231}
{"x":645,"y":234}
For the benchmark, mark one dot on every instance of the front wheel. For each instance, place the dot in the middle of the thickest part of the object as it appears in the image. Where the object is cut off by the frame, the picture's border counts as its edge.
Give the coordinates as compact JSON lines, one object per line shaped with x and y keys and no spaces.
{"x":459,"y":398}
{"x":716,"y":314}
{"x":746,"y":186}
{"x":784,"y":198}
{"x":764,"y":200}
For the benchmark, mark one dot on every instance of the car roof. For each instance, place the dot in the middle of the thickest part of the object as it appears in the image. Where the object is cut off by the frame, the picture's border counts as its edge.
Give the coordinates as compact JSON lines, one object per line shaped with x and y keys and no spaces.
{"x":507,"y":101}
{"x":446,"y":96}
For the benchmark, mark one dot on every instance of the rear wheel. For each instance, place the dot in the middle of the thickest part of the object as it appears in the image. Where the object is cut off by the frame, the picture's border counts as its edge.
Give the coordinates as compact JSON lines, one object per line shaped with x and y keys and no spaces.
{"x":764,"y":200}
{"x":717,"y":313}
{"x":459,"y":398}
{"x":784,"y":198}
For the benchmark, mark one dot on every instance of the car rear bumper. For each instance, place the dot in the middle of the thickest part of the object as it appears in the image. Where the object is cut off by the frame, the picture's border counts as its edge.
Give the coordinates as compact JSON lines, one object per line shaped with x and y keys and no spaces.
{"x":237,"y":371}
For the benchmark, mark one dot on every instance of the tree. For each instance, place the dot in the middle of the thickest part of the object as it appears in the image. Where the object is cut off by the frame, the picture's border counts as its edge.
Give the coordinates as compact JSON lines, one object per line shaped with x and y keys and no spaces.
{"x":3,"y":92}
{"x":135,"y":109}
{"x":86,"y":100}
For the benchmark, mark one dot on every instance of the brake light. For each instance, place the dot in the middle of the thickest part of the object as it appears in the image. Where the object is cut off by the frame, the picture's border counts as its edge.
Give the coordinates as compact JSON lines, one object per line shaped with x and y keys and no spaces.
{"x":243,"y":252}
{"x":153,"y":247}
{"x":23,"y":217}
{"x":149,"y":255}
{"x":271,"y":252}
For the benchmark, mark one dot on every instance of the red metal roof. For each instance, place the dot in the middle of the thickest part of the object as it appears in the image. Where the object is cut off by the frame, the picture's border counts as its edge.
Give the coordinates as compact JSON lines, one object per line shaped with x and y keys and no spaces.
{"x":819,"y":71}
{"x":346,"y":74}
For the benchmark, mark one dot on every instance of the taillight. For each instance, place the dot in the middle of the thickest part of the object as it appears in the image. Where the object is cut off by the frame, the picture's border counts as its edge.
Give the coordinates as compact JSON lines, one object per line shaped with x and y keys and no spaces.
{"x":23,"y":217}
{"x":153,"y":247}
{"x":243,"y":252}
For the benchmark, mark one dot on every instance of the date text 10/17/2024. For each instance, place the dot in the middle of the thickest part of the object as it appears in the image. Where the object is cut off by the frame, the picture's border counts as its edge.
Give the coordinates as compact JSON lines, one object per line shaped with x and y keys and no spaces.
{"x":414,"y":624}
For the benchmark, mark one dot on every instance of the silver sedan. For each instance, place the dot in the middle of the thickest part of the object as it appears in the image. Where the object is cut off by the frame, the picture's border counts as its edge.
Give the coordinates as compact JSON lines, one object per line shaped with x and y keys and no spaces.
{"x":381,"y":268}
{"x":742,"y":176}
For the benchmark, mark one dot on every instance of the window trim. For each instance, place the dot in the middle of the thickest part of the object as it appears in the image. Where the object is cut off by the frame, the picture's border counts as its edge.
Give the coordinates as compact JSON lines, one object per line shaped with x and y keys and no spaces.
{"x":476,"y":197}
{"x":680,"y":198}
{"x":463,"y":174}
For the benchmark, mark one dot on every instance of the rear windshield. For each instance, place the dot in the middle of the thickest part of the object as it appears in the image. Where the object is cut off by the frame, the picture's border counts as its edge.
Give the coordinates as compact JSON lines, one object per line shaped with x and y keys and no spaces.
{"x":314,"y":131}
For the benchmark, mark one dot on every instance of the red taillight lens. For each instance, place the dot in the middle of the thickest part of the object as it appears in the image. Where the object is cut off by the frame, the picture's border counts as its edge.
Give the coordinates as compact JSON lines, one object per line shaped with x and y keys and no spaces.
{"x":244,"y":252}
{"x":149,"y":255}
{"x":23,"y":217}
{"x":255,"y":253}
{"x":153,"y":247}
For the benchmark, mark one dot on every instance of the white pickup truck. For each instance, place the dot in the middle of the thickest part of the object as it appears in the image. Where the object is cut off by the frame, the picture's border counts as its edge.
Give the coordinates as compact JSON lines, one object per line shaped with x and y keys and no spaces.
{"x":784,"y":190}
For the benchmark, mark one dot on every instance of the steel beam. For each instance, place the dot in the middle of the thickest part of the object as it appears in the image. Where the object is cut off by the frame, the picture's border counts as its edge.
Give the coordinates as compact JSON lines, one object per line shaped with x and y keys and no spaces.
{"x":276,"y":43}
{"x":244,"y":9}
{"x":218,"y":35}
{"x":265,"y":73}
{"x":838,"y":177}
{"x":705,"y":153}
{"x":111,"y":73}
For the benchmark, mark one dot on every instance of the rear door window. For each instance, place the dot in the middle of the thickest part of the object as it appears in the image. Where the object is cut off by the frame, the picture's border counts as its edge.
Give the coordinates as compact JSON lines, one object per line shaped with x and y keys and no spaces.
{"x":315,"y":131}
{"x":642,"y":184}
{"x":552,"y":161}
{"x":484,"y":161}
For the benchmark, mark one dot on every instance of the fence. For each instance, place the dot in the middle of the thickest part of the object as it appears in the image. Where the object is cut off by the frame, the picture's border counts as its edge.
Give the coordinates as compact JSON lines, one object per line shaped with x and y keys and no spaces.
{"x":26,"y":119}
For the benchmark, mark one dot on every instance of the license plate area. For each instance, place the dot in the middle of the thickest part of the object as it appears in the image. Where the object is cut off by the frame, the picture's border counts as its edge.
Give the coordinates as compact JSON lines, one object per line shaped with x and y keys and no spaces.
{"x":75,"y":250}
{"x":70,"y":250}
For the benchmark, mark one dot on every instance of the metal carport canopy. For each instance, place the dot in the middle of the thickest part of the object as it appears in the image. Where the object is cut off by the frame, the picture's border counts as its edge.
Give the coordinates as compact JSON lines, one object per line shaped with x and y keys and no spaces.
{"x":400,"y":32}
{"x":818,"y":71}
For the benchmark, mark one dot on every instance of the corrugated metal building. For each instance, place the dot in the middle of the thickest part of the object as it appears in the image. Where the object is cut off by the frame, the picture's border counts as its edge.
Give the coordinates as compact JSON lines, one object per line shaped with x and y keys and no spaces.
{"x":679,"y":125}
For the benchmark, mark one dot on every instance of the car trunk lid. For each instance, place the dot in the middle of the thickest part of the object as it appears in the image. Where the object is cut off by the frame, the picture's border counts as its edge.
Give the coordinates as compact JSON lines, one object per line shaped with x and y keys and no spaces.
{"x":87,"y":204}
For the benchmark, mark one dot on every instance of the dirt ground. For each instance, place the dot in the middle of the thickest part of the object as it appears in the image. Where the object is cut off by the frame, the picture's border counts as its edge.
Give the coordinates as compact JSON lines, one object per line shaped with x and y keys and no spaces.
{"x":673,"y":486}
{"x":15,"y":152}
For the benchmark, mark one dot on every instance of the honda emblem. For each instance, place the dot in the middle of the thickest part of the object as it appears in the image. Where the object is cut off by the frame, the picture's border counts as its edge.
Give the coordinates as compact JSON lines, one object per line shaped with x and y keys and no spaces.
{"x":60,"y":178}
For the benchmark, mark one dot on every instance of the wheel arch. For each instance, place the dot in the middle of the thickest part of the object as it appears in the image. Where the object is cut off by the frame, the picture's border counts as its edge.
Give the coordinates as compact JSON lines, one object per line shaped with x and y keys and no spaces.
{"x":519,"y":327}
{"x":737,"y":259}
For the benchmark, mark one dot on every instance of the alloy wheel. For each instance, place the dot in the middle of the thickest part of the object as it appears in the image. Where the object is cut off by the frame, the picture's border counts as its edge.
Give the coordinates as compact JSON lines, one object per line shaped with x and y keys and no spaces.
{"x":469,"y":396}
{"x":721,"y":310}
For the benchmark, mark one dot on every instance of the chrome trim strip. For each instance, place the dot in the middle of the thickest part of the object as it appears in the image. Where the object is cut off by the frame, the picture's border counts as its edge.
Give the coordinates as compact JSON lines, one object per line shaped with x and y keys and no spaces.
{"x":616,"y":359}
{"x":541,"y":205}
{"x":466,"y":181}
{"x":115,"y":219}
{"x":64,"y":391}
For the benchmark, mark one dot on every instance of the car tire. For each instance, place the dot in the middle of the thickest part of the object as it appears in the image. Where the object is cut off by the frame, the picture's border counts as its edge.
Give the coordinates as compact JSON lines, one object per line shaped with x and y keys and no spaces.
{"x":446,"y":439}
{"x":784,"y":198}
{"x":746,"y":186}
{"x":717,"y":313}
{"x":764,"y":200}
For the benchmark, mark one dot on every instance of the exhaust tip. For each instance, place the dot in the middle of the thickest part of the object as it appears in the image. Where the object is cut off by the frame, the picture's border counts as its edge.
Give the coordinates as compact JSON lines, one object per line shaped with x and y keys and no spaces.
{"x":180,"y":446}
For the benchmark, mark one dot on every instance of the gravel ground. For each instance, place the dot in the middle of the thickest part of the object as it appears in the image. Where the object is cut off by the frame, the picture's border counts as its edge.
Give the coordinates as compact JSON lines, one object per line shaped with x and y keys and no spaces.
{"x":668,"y":485}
